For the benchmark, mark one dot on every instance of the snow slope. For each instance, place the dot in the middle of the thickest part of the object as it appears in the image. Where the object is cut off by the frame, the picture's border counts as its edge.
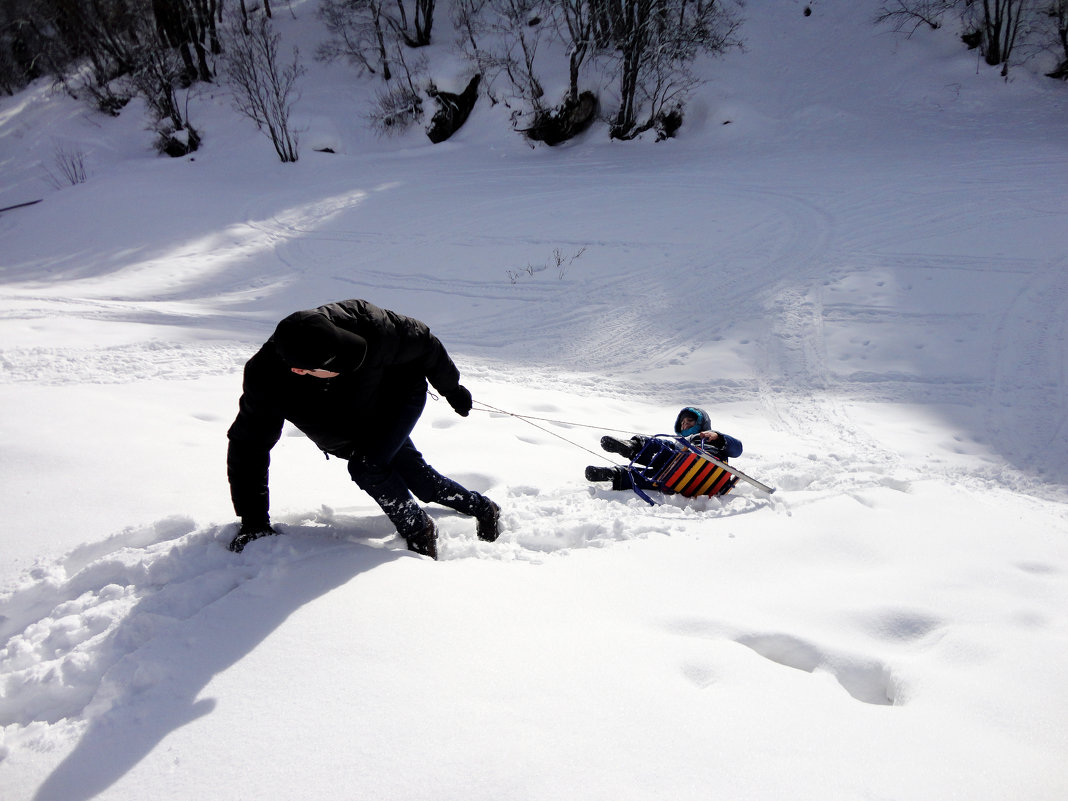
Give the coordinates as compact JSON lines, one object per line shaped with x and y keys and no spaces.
{"x":853,"y":256}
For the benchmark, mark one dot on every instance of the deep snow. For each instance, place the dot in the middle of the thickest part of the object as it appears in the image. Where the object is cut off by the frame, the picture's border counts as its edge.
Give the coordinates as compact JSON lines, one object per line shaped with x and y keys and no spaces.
{"x":853,"y":257}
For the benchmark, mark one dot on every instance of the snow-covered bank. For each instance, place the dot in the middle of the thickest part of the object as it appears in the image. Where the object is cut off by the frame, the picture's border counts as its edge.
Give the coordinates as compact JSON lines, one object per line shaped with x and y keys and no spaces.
{"x":862,"y":276}
{"x":693,"y":654}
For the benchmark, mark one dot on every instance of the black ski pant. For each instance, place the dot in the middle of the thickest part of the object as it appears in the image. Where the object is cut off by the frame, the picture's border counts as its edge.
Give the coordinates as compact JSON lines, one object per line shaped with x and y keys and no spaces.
{"x":652,"y":453}
{"x":388,"y":467}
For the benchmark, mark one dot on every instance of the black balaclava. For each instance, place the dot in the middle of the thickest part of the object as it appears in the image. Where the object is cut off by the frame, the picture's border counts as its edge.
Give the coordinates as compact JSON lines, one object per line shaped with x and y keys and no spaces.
{"x":308,"y":340}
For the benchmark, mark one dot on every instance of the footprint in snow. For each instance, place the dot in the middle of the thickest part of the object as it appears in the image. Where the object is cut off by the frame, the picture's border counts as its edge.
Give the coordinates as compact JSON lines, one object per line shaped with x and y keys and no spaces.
{"x":866,"y":679}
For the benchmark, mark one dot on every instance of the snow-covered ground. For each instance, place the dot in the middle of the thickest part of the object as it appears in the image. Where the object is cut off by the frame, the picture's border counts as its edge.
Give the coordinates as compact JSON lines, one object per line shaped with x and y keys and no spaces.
{"x":854,"y":257}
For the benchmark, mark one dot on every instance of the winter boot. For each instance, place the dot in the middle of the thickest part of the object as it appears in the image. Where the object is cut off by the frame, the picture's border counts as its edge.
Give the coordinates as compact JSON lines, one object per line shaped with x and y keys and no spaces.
{"x":250,"y":532}
{"x":489,"y":522}
{"x":595,"y":473}
{"x":425,"y":538}
{"x":624,"y":447}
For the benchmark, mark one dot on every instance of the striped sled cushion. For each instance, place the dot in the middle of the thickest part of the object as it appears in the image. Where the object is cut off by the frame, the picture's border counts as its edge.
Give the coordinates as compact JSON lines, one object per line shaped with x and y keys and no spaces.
{"x":686,"y":472}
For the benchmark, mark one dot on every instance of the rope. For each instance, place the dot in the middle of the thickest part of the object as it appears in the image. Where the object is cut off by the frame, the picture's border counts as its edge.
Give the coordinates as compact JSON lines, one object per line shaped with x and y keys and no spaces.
{"x":528,"y":419}
{"x":548,"y":419}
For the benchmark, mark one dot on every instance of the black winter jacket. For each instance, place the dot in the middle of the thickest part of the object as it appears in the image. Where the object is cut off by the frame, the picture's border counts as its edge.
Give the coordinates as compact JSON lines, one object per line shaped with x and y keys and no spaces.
{"x":402,"y":355}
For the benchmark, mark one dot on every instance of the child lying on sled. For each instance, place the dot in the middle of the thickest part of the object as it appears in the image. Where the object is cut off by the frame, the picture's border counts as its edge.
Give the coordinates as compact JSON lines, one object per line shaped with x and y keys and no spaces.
{"x":653,"y":455}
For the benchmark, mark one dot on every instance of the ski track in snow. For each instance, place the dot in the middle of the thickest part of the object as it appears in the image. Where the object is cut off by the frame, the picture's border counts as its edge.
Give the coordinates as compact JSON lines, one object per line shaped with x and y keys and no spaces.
{"x":804,"y":393}
{"x":801,"y":379}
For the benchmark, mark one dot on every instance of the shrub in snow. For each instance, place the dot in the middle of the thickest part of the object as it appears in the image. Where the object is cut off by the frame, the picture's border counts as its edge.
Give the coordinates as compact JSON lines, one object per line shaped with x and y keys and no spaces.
{"x":395,"y":109}
{"x":263,"y":89}
{"x":69,"y":167}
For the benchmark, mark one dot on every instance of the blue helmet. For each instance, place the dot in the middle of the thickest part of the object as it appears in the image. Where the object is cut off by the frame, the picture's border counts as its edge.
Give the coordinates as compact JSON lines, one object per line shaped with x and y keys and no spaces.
{"x":700,"y":415}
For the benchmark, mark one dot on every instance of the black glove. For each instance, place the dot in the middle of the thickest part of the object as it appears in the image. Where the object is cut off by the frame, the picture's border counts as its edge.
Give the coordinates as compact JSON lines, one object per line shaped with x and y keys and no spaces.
{"x":250,"y":530}
{"x":714,"y":447}
{"x":460,"y":400}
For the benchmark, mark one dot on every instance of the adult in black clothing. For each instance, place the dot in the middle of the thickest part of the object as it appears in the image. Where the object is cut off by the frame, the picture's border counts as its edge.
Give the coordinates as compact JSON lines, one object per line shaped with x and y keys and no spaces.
{"x":353,"y":377}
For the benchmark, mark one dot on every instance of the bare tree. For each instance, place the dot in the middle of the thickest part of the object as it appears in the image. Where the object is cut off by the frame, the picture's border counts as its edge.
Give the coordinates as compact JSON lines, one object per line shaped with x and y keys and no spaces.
{"x":374,"y":39}
{"x":503,"y":37}
{"x":911,"y":14}
{"x":159,"y":76}
{"x":23,"y":46}
{"x":1058,"y":20}
{"x":650,"y":45}
{"x":575,"y":27}
{"x":105,"y":35}
{"x":999,"y":22}
{"x":184,"y":27}
{"x":113,"y":38}
{"x":996,"y":27}
{"x":364,"y":31}
{"x":417,"y":34}
{"x":654,"y":43}
{"x":506,"y":40}
{"x":263,"y":89}
{"x":360,"y":33}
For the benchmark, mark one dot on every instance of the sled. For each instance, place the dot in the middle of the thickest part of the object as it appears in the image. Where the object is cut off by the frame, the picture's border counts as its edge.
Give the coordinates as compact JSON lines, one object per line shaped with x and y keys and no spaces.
{"x":684,"y":469}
